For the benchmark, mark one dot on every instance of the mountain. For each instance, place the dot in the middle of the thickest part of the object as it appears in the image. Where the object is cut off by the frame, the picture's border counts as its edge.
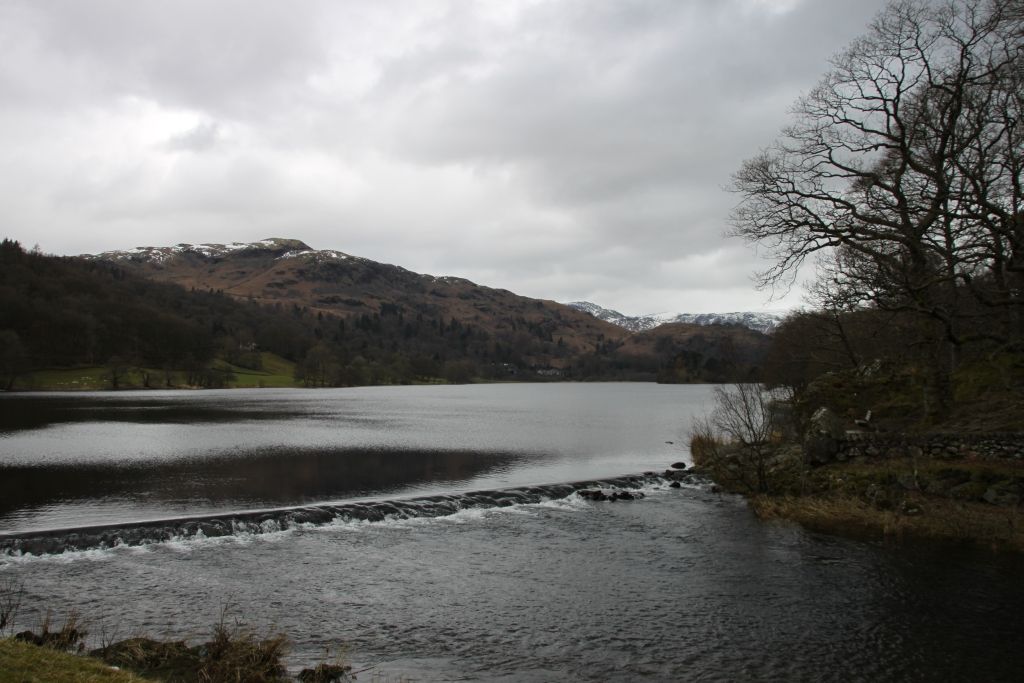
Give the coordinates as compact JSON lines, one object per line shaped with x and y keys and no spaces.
{"x":761,"y":321}
{"x":370,"y":322}
{"x":287,"y":272}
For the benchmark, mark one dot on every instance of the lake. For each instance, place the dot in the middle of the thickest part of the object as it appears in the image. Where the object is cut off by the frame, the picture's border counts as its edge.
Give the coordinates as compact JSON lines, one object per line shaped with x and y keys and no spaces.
{"x":350,"y":518}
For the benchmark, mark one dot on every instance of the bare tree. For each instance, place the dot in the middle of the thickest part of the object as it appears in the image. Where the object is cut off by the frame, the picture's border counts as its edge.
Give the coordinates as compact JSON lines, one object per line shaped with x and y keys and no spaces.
{"x":905,"y":165}
{"x":737,"y":440}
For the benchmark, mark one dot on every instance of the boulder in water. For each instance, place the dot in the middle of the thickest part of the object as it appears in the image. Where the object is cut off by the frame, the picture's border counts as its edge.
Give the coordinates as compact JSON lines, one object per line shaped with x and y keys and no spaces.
{"x":677,"y":475}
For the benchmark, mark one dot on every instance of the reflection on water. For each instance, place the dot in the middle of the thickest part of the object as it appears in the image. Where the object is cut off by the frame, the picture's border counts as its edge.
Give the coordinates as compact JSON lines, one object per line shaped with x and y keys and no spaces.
{"x":97,"y":458}
{"x":266,"y":478}
{"x":34,"y":411}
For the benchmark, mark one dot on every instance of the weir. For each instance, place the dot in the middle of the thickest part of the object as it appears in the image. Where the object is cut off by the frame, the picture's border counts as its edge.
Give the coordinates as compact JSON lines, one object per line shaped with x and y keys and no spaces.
{"x":57,"y":541}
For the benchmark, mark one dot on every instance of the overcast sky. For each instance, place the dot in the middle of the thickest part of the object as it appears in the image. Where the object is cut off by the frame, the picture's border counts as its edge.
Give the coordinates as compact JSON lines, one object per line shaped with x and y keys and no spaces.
{"x":562,"y":149}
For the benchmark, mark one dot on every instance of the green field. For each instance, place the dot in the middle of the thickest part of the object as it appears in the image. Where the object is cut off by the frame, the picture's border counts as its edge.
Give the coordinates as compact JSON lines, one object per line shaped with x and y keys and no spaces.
{"x":276,"y":372}
{"x":64,"y":379}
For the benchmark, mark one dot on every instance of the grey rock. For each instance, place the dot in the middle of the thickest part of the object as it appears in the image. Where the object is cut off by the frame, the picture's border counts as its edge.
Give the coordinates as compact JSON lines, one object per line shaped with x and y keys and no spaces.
{"x":1000,"y":496}
{"x":824,"y":432}
{"x":907,"y":481}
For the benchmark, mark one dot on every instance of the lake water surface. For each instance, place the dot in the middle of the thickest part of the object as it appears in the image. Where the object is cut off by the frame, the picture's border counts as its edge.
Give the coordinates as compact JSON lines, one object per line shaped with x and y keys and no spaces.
{"x":528,"y":582}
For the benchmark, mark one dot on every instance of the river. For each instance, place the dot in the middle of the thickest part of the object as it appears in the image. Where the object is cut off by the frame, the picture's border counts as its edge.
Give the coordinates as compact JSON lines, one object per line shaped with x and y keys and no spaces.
{"x":348,"y":519}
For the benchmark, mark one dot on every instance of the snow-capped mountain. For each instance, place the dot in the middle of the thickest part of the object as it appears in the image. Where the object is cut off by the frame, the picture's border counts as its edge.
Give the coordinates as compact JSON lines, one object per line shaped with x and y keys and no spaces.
{"x":608,"y":315}
{"x":189,"y":264}
{"x":762,"y":321}
{"x":276,"y":246}
{"x":288,"y":272}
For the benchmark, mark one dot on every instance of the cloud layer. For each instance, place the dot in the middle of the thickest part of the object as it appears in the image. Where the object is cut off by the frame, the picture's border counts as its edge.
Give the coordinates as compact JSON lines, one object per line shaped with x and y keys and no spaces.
{"x":563,"y":149}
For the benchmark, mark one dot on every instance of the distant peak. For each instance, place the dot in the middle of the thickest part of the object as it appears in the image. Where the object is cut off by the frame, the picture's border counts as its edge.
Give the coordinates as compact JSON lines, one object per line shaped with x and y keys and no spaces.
{"x":764,"y":321}
{"x":285,"y":243}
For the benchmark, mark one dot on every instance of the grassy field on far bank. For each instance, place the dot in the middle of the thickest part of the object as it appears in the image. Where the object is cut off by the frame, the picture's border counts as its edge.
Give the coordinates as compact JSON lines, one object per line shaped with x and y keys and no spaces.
{"x":276,"y":372}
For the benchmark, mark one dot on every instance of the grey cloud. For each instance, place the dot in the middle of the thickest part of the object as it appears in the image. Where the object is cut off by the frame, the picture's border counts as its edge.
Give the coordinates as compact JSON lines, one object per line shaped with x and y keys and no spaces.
{"x":225,"y":56}
{"x":567,"y":149}
{"x":200,"y":138}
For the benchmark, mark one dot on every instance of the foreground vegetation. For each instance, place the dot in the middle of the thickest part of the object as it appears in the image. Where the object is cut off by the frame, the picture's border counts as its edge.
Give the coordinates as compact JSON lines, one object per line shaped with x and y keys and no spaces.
{"x":232,"y":655}
{"x":26,"y":663}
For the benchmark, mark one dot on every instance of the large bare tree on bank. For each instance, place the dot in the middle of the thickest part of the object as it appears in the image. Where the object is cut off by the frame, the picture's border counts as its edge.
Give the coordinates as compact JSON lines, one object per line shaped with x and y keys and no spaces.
{"x":902,"y":171}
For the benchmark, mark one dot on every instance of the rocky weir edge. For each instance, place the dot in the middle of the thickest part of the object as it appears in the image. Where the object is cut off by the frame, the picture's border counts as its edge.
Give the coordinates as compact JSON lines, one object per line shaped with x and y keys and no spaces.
{"x":98,"y":537}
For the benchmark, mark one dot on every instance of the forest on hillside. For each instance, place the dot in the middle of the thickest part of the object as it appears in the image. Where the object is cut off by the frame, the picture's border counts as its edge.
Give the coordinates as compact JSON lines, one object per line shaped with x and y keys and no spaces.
{"x":61,"y":312}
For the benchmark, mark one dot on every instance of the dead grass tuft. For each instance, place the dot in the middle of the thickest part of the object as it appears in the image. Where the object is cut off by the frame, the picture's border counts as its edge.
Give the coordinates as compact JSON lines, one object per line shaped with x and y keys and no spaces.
{"x":917,"y":516}
{"x":70,"y":637}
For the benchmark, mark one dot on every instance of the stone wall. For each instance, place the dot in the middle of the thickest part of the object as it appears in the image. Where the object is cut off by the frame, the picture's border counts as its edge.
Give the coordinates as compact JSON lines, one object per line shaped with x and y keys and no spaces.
{"x":1004,"y":446}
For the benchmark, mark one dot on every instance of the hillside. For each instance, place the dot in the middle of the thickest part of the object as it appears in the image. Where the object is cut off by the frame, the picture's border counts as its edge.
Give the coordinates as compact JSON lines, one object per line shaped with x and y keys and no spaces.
{"x":69,"y":313}
{"x":284,"y":272}
{"x":215,"y":315}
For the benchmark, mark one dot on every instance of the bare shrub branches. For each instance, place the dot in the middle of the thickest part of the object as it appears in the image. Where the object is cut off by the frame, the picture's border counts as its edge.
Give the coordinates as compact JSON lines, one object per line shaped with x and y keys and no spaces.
{"x":11,"y":593}
{"x":738,"y":442}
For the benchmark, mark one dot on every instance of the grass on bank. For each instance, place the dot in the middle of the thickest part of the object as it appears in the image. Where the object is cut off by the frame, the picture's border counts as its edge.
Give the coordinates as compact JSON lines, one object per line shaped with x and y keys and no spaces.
{"x":920,"y":517}
{"x":233,"y":654}
{"x":26,"y":663}
{"x":962,"y":500}
{"x":64,"y":379}
{"x":276,"y":372}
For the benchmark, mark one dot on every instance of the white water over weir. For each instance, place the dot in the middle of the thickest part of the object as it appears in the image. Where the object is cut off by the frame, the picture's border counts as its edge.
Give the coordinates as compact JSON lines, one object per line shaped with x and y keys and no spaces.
{"x":265,"y":521}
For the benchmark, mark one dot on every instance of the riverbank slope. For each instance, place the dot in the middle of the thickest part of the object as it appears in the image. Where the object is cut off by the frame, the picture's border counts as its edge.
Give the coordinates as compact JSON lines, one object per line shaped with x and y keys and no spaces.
{"x":966,"y":501}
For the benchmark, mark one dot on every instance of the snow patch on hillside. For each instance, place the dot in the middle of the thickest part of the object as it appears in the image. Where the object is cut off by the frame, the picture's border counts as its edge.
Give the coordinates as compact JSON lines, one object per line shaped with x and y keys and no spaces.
{"x":762,"y":321}
{"x":279,"y":248}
